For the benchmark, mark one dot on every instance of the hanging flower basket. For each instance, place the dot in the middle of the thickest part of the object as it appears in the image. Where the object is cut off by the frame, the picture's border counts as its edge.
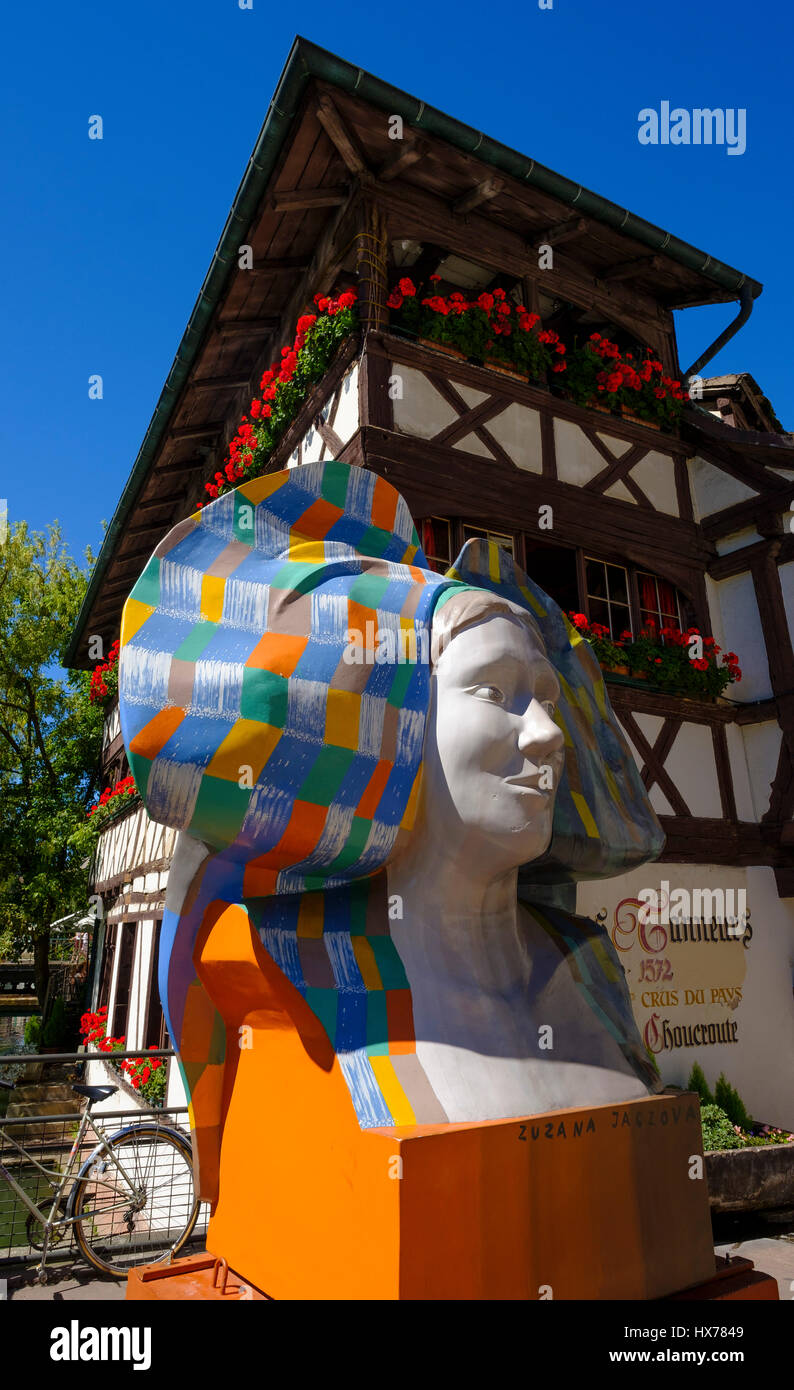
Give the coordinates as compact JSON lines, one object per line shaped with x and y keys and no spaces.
{"x":446,"y":348}
{"x":505,"y":370}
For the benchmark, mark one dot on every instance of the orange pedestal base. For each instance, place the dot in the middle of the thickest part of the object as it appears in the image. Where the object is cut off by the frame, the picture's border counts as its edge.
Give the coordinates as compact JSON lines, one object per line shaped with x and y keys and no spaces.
{"x":592,"y":1203}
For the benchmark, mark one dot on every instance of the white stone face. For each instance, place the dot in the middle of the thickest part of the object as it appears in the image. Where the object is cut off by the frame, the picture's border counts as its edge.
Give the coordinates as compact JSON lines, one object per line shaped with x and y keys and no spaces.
{"x":491,"y":735}
{"x":487,"y":981}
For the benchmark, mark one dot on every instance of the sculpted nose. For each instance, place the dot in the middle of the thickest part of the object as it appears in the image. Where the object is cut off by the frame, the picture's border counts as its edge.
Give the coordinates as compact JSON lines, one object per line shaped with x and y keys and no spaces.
{"x":539,"y":736}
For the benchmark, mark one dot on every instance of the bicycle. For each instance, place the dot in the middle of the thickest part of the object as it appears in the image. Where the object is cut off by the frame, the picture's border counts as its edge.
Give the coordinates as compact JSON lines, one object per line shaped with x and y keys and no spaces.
{"x":132,"y":1202}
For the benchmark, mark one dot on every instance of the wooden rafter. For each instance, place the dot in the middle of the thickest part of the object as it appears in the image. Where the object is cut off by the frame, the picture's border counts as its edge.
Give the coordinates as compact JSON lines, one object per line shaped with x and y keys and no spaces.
{"x":481,"y":193}
{"x":626,"y":270}
{"x":300,"y":199}
{"x":559,"y":232}
{"x":413,"y":149}
{"x":337,"y":131}
{"x":217,"y":383}
{"x":617,"y":470}
{"x":213,"y":427}
{"x":233,"y":328}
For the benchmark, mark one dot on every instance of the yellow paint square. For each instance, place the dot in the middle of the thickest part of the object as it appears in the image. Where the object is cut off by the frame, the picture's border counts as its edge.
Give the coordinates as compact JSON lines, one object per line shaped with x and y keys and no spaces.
{"x":248,"y":744}
{"x":342,"y":713}
{"x":213,"y":588}
{"x":311,"y":915}
{"x":133,"y":618}
{"x":392,"y":1091}
{"x":365,"y":959}
{"x":259,"y":488}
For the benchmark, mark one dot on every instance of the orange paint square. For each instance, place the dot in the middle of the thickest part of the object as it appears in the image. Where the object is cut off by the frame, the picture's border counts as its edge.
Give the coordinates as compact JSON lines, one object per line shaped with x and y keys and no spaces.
{"x":154,"y":736}
{"x":317,"y":520}
{"x":279,"y":652}
{"x":370,"y":798}
{"x":384,"y":505}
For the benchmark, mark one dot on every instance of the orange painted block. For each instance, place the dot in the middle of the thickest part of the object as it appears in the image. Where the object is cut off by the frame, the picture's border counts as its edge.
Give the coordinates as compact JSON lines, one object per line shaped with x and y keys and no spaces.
{"x":591,"y":1203}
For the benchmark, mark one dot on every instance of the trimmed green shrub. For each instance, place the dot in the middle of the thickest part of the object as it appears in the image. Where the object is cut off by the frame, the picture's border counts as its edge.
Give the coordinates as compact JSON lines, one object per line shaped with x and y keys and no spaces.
{"x":697,"y":1082}
{"x":718,"y":1132}
{"x":728,"y":1099}
{"x":33,"y":1031}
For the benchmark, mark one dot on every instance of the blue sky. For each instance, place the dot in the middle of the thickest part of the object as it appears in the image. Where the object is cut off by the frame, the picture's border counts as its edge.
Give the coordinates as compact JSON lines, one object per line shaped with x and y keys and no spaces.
{"x":105,"y":244}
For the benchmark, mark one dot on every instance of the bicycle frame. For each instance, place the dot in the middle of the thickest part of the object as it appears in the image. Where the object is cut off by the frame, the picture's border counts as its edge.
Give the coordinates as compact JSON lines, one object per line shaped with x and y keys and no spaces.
{"x":51,"y":1223}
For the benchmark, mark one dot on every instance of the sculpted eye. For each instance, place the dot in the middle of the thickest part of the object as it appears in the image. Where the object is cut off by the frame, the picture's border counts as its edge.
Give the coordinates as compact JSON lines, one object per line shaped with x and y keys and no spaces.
{"x":490,"y":692}
{"x":549,"y":706}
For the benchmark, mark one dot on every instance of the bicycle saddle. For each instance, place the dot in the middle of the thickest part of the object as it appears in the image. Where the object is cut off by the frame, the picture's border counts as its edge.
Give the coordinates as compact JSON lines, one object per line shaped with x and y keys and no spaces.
{"x":95,"y":1092}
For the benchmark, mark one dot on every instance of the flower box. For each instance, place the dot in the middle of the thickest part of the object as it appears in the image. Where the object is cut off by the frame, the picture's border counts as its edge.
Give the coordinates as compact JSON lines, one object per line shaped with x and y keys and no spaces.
{"x":754,"y":1179}
{"x":446,"y":348}
{"x":504,"y":369}
{"x":638,"y":420}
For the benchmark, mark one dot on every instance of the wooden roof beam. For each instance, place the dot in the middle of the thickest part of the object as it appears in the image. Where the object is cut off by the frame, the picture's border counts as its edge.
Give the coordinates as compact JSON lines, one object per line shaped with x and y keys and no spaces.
{"x":217,"y":383}
{"x":481,"y":193}
{"x":625,"y":270}
{"x":231,"y":328}
{"x":338,"y":133}
{"x":412,"y":151}
{"x":559,"y":232}
{"x":196,"y":431}
{"x":278,"y":264}
{"x":300,"y":199}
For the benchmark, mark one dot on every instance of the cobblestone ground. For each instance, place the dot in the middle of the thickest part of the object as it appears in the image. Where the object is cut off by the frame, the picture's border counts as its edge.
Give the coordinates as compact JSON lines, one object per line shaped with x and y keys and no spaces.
{"x":773,"y":1253}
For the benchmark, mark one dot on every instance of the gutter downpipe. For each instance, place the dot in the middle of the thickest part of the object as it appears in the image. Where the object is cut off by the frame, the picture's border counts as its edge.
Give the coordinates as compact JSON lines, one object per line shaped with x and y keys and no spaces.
{"x":745,"y":310}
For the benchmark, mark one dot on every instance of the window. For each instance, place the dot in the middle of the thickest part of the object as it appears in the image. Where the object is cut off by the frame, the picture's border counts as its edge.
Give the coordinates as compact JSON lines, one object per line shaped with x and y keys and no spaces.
{"x":659,"y":603}
{"x":503,"y":541}
{"x":608,"y":596}
{"x":123,"y":979}
{"x":436,"y":537}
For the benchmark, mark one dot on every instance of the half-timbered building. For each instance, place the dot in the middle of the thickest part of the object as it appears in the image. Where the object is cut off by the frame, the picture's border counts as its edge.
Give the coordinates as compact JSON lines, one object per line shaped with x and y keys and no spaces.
{"x":354,"y":183}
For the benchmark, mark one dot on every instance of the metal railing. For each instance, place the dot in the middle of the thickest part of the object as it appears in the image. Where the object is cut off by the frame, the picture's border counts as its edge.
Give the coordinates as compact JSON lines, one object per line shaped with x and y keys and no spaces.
{"x":47,"y":1131}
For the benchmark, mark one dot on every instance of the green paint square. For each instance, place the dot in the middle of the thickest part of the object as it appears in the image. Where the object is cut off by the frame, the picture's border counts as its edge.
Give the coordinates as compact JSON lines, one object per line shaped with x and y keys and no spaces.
{"x":390,"y":967}
{"x":334,"y":486}
{"x":374,"y":541}
{"x":264,"y":697}
{"x":300,"y":576}
{"x":325,"y":775}
{"x":403,"y":675}
{"x":244,"y":519}
{"x":147,"y":589}
{"x":324,"y":1003}
{"x":368,"y":590}
{"x":195,"y":642}
{"x":359,"y":898}
{"x":356,"y":843}
{"x":140,"y":768}
{"x":219,"y":811}
{"x":377,"y":1024}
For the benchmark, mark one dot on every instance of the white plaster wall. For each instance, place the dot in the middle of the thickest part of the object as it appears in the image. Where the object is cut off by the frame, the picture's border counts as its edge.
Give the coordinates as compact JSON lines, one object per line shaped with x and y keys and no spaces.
{"x":111,"y":727}
{"x":577,"y":459}
{"x":422,"y":410}
{"x":470,"y":444}
{"x":742,"y":790}
{"x":620,"y":490}
{"x":762,"y":749}
{"x":712,"y":489}
{"x":650,"y":724}
{"x":346,"y":420}
{"x":691,"y":766}
{"x":517,"y":429}
{"x":786,"y":573}
{"x":760,"y":1064}
{"x":736,"y":624}
{"x":655,"y":474}
{"x":616,"y":446}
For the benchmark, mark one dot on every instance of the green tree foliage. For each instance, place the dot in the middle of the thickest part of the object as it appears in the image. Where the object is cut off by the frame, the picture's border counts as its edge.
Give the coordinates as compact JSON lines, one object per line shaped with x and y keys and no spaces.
{"x":697,"y":1082}
{"x":50,"y":736}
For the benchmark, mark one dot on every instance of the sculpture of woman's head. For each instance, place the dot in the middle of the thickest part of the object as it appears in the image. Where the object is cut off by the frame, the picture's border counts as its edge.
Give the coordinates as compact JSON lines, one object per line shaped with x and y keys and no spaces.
{"x":295,"y":682}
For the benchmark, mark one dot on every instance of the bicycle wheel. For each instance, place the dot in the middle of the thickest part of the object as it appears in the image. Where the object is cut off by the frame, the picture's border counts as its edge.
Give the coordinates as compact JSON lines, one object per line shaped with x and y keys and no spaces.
{"x":145,"y":1213}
